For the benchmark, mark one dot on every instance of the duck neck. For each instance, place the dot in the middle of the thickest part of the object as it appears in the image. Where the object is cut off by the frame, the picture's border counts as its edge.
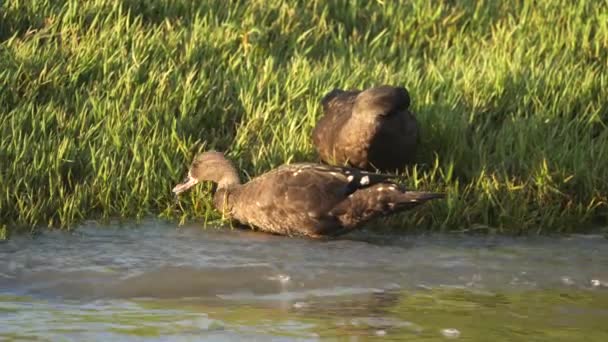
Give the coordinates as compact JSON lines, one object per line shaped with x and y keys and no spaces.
{"x":230,"y":176}
{"x":228,"y":181}
{"x":223,"y":199}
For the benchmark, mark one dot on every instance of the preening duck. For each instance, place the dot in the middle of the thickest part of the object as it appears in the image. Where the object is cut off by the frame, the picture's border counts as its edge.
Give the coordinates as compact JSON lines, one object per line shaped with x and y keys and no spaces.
{"x":307,"y":199}
{"x":370,"y":129}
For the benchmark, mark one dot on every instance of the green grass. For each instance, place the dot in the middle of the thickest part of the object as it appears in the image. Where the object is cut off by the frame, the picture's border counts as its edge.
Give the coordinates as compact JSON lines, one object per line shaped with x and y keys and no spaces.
{"x":104,"y":103}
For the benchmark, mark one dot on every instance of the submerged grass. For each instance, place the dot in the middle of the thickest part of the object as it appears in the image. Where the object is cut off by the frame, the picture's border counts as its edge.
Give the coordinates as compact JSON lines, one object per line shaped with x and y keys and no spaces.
{"x":105,"y":102}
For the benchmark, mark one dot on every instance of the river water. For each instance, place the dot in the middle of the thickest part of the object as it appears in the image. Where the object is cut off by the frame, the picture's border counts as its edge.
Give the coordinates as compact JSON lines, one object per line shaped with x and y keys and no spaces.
{"x":156,"y":282}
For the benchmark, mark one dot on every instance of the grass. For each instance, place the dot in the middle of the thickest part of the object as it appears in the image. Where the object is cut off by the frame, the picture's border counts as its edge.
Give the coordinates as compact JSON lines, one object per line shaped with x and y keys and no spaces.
{"x":103,"y":104}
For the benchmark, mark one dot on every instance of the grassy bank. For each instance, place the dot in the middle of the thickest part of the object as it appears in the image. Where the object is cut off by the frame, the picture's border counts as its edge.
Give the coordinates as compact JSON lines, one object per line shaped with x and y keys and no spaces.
{"x":104,"y":103}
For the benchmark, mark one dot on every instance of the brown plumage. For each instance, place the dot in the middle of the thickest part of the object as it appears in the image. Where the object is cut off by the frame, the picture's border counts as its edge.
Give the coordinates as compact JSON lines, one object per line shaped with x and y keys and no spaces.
{"x":301,"y":199}
{"x":370,"y":129}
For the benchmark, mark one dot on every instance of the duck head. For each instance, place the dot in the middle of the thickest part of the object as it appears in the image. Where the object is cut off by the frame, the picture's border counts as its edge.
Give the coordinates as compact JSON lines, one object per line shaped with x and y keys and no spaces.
{"x":209,"y":166}
{"x":381,"y":101}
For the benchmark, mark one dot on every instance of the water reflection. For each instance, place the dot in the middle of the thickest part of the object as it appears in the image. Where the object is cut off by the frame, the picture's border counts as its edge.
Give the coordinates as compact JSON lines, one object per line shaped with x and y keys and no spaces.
{"x":159,"y":282}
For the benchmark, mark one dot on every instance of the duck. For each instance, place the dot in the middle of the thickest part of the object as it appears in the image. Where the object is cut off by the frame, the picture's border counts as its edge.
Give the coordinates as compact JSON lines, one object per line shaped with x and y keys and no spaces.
{"x":373,"y":129}
{"x":301,"y":199}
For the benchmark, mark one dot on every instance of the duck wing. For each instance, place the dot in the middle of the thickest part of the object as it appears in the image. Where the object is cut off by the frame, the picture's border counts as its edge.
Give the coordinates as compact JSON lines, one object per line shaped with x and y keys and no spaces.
{"x":294,"y":199}
{"x":378,"y":200}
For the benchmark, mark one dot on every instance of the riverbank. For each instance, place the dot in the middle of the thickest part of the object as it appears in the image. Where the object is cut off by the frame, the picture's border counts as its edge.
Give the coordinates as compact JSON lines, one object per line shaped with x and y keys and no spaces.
{"x":104,"y":105}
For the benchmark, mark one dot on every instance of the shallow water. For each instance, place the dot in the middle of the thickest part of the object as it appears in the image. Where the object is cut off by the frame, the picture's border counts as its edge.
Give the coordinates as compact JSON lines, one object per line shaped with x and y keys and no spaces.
{"x":156,"y":282}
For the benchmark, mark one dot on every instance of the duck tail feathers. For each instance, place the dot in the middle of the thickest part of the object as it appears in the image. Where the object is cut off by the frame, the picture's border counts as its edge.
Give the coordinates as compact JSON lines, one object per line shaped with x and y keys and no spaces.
{"x":378,"y":200}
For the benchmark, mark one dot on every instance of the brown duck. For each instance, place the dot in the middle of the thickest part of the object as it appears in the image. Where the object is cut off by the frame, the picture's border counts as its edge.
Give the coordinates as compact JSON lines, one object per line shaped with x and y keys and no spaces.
{"x":370,"y":129}
{"x":301,"y":199}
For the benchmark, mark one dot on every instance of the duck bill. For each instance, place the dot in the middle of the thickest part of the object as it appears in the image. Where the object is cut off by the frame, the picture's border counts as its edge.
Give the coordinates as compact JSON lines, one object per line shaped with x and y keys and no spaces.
{"x":185,"y":185}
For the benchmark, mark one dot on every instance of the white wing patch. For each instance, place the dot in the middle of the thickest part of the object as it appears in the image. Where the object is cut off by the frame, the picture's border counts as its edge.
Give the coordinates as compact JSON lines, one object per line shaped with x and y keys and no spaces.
{"x":364,"y":180}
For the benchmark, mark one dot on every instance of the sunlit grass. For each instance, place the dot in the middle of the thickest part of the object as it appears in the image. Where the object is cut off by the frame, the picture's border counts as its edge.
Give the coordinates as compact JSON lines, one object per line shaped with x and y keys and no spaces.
{"x":104,"y":103}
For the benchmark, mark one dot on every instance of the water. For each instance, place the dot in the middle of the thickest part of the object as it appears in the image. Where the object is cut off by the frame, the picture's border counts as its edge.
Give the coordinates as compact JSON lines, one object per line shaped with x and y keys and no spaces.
{"x":156,"y":282}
